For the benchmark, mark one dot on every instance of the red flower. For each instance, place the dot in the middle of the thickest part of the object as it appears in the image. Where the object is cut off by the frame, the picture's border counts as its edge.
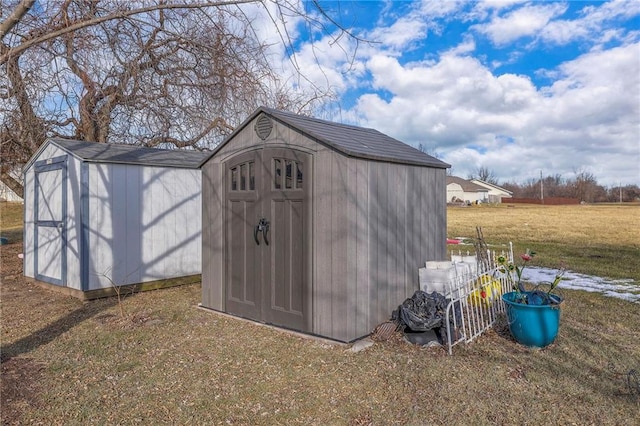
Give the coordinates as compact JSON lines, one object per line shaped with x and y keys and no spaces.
{"x":526,"y":257}
{"x":483,"y":294}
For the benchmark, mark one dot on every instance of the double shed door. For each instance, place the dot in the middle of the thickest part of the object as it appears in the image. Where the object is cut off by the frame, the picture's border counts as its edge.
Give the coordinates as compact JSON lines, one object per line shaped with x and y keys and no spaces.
{"x":268,"y":237}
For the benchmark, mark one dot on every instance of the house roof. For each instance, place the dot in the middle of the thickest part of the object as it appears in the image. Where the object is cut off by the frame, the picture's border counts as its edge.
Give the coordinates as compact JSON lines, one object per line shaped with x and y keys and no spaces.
{"x":352,"y":141}
{"x":490,"y":185}
{"x":129,"y":154}
{"x":466,"y":185}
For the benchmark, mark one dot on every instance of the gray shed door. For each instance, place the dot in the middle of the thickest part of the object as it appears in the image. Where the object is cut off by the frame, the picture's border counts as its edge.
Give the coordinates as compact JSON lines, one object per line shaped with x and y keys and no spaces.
{"x":50,"y":194}
{"x":267,"y":237}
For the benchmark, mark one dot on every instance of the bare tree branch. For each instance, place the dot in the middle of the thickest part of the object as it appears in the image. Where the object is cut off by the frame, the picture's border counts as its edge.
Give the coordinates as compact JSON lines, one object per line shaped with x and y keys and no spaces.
{"x":26,"y":44}
{"x":21,"y":9}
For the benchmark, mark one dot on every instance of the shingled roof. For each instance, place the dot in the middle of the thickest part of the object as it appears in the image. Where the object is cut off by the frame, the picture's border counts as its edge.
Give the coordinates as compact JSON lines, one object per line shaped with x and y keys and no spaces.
{"x":352,"y":141}
{"x":130,"y":154}
{"x":466,"y":185}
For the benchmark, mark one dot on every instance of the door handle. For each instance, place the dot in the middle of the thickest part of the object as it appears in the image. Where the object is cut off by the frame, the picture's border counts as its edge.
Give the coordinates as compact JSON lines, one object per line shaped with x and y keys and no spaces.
{"x":262,"y":226}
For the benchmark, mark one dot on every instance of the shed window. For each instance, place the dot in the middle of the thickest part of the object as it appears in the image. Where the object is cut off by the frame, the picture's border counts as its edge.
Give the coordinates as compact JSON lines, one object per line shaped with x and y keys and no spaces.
{"x":277,"y":173}
{"x":287,"y":174}
{"x":243,"y":177}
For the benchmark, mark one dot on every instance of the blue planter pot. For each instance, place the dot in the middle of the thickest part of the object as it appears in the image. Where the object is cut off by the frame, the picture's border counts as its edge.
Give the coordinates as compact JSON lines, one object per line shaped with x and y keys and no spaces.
{"x":535,"y":326}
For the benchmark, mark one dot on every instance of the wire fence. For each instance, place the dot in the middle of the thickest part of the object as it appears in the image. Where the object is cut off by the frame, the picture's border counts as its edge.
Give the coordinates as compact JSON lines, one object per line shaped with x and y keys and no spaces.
{"x":476,"y":296}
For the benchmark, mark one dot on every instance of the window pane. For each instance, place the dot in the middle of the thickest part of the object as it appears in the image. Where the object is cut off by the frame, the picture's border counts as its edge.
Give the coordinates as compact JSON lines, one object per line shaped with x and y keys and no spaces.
{"x":299,"y":176}
{"x":277,"y":174}
{"x":252,"y":177}
{"x":289,"y":177}
{"x":234,"y":179}
{"x":243,"y":177}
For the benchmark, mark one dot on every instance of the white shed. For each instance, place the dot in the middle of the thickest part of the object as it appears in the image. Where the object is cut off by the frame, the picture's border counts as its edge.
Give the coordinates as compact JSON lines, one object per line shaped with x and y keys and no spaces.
{"x":100,"y":216}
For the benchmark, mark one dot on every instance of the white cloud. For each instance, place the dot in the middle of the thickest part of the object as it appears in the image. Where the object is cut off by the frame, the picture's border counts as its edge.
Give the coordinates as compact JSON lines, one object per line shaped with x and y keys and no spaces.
{"x":587,"y":119}
{"x":525,"y":21}
{"x":401,"y":34}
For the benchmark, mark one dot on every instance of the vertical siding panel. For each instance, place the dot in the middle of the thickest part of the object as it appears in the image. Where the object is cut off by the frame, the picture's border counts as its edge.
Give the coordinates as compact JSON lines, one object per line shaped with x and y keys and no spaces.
{"x":425,"y":214}
{"x":339,"y":256}
{"x":382,"y":232}
{"x":134,"y":224}
{"x":73,"y":223}
{"x":213,"y":279}
{"x":322,"y":251}
{"x":101,"y":232}
{"x":391,"y":185}
{"x":414,"y":259}
{"x":351,"y":258}
{"x":402,"y":230}
{"x":440,"y":204}
{"x":119,"y":218}
{"x":373,"y":208}
{"x":363,"y":274}
{"x":29,"y":204}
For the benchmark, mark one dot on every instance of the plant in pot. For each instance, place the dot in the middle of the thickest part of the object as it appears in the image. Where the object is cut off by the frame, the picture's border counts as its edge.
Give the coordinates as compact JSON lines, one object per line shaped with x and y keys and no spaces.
{"x":533,"y":315}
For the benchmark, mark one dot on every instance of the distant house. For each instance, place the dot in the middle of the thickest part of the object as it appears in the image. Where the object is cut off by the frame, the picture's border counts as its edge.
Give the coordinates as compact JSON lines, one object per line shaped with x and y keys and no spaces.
{"x":459,"y":189}
{"x":6,"y":194}
{"x":496,"y":193}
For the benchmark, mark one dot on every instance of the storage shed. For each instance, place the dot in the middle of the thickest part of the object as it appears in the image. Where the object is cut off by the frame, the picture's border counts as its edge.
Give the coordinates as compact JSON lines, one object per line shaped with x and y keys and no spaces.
{"x":317,"y":226}
{"x":99,"y":216}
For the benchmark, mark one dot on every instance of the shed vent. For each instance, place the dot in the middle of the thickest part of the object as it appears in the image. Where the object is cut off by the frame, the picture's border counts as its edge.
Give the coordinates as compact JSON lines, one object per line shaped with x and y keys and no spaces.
{"x":263,"y":127}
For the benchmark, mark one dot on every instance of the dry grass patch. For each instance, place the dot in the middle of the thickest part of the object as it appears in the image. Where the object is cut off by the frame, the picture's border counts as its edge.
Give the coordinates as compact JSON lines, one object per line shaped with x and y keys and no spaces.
{"x":167,"y":362}
{"x":602,"y":240}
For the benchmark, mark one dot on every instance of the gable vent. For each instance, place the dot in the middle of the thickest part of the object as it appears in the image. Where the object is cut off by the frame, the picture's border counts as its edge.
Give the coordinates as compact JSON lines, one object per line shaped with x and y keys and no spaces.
{"x":263,"y":127}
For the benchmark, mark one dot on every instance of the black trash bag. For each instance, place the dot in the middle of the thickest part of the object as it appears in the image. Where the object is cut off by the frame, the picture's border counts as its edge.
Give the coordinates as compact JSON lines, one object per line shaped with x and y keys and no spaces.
{"x":424,"y":312}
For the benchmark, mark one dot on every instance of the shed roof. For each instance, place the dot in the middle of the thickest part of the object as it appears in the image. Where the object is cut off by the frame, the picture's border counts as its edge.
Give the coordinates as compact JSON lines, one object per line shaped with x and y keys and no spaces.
{"x":130,"y":154}
{"x":352,"y":141}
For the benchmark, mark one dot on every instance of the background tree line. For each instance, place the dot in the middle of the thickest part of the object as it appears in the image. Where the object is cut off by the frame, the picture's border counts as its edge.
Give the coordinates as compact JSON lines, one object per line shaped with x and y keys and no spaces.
{"x":583,"y":186}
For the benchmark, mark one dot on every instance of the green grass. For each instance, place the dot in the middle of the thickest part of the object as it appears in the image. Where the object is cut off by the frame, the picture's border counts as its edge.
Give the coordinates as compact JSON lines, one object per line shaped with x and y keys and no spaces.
{"x":167,"y":362}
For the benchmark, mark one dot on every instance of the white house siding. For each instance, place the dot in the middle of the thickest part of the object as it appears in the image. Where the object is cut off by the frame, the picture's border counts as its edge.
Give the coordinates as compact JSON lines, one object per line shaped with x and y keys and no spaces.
{"x":6,"y":194}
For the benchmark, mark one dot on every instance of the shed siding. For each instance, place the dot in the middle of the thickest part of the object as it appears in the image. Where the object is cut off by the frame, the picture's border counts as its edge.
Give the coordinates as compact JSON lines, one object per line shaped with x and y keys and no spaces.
{"x":375,"y":225}
{"x":144,"y":224}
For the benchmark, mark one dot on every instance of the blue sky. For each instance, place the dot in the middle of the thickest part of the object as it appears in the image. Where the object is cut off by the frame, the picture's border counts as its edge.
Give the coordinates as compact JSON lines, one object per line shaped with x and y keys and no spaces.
{"x":516,"y":86}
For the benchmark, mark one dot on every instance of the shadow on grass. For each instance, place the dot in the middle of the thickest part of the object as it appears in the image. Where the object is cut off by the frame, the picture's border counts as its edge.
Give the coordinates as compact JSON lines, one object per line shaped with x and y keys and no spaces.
{"x":55,"y":329}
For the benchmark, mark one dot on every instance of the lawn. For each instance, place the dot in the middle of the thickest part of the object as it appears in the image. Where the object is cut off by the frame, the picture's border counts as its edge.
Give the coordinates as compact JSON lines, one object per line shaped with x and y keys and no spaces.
{"x":167,"y":362}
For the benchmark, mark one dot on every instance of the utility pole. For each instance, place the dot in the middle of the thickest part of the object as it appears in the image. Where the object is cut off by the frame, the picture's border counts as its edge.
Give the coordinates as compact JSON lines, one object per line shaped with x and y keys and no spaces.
{"x":541,"y":188}
{"x":620,"y":186}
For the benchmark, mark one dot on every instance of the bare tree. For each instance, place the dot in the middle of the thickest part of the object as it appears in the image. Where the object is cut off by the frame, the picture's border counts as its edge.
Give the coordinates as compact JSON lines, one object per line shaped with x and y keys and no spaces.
{"x":155,"y":72}
{"x":485,"y":174}
{"x":585,"y":186}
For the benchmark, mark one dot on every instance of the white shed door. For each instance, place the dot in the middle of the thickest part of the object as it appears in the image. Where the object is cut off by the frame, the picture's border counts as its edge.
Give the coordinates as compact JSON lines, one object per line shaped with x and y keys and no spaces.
{"x":50,"y":212}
